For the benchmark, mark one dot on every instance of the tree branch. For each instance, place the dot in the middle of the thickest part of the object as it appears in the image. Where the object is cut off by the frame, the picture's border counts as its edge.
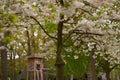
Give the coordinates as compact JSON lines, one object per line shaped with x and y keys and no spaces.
{"x":86,"y":11}
{"x":89,"y":4}
{"x":115,"y":20}
{"x":42,"y":28}
{"x":89,"y":33}
{"x":82,"y":33}
{"x":73,"y":16}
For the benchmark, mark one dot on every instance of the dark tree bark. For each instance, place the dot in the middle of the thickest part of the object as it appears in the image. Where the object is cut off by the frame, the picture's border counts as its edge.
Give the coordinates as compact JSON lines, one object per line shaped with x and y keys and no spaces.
{"x":3,"y":64}
{"x":4,"y":61}
{"x":59,"y":61}
{"x":108,"y":75}
{"x":28,"y":43}
{"x":14,"y":67}
{"x":107,"y":69}
{"x":92,"y":64}
{"x":92,"y":67}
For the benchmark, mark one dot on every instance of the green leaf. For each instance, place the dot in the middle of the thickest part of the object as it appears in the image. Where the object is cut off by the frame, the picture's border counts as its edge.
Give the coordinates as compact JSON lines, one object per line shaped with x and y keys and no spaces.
{"x":13,"y":18}
{"x":1,"y":25}
{"x":77,"y":67}
{"x":93,"y":18}
{"x":1,"y":12}
{"x":50,"y":27}
{"x":7,"y":40}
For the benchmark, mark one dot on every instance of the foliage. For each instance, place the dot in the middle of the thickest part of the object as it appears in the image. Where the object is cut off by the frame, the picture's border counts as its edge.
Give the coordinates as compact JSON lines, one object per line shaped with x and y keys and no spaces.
{"x":86,"y":23}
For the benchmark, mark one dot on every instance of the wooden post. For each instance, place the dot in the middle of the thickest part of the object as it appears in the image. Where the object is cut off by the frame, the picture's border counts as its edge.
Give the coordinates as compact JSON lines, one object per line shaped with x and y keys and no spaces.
{"x":38,"y":77}
{"x":35,"y":64}
{"x":27,"y":75}
{"x":71,"y":77}
{"x":41,"y":74}
{"x":34,"y":75}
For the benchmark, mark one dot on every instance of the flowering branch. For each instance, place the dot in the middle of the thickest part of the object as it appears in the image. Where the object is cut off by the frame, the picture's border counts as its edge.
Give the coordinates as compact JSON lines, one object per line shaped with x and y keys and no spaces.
{"x":90,"y":33}
{"x":89,"y":4}
{"x":115,"y":20}
{"x":82,"y":33}
{"x":73,"y":16}
{"x":86,"y":11}
{"x":42,"y":28}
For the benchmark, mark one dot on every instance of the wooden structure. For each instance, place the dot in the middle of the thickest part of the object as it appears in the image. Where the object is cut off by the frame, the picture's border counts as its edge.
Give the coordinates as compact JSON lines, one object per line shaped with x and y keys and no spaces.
{"x":35,"y":67}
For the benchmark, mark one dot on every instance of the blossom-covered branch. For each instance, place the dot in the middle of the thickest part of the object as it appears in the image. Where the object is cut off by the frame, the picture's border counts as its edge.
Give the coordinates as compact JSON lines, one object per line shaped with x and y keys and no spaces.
{"x":43,"y":28}
{"x":86,"y":11}
{"x":89,"y":33}
{"x":89,"y":4}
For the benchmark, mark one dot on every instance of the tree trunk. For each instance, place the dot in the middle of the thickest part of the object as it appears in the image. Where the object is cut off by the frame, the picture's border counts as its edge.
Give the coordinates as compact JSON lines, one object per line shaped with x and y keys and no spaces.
{"x":108,"y":75}
{"x":107,"y":69}
{"x":59,"y":61}
{"x":3,"y":64}
{"x":14,"y":71}
{"x":59,"y":71}
{"x":92,"y":67}
{"x":28,"y":43}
